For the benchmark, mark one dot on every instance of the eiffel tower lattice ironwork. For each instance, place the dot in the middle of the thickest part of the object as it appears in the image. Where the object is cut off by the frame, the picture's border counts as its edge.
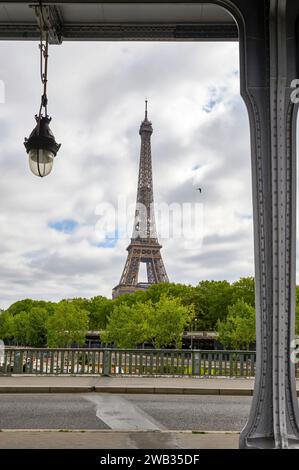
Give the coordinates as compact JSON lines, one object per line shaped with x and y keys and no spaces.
{"x":144,"y":246}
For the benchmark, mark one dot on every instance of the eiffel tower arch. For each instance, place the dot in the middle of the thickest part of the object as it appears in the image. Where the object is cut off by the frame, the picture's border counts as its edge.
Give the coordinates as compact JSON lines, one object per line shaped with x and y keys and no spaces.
{"x":144,"y":246}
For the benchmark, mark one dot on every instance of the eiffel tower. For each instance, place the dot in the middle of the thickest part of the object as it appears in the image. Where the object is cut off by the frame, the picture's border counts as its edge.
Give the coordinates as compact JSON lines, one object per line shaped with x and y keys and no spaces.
{"x":144,"y":246}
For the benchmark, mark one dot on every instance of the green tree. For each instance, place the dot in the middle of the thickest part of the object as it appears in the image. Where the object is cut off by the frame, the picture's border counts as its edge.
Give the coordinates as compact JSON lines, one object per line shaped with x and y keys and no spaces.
{"x":181,"y":291}
{"x":79,"y":302}
{"x":67,"y":325}
{"x":237,"y":331}
{"x":36,"y":333}
{"x":99,"y":310}
{"x":168,"y":320}
{"x":128,"y":325}
{"x":25,"y":327}
{"x":244,"y":289}
{"x":212,"y":301}
{"x":139,"y":296}
{"x":6,"y":325}
{"x":20,"y":328}
{"x":187,"y":295}
{"x":27,"y":304}
{"x":161,"y":323}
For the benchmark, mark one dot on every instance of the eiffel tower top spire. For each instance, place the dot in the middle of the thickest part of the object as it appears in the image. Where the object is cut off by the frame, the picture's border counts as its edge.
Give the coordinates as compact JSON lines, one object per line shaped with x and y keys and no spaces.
{"x":144,"y":225}
{"x":146,"y":125}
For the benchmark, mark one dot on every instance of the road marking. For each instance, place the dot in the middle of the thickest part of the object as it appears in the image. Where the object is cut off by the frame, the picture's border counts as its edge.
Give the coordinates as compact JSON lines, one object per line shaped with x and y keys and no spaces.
{"x":119,"y":413}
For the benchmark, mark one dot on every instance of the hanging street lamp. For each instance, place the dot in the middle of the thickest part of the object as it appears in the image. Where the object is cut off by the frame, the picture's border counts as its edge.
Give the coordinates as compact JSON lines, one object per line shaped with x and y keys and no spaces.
{"x":41,"y":146}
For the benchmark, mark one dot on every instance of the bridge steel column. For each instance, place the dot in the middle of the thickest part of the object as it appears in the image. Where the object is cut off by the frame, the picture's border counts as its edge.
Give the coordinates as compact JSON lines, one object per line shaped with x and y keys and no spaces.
{"x":269,"y":62}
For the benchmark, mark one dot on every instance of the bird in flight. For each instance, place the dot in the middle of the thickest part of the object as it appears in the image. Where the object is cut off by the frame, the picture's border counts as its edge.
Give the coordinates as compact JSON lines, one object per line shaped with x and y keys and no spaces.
{"x":199,"y":189}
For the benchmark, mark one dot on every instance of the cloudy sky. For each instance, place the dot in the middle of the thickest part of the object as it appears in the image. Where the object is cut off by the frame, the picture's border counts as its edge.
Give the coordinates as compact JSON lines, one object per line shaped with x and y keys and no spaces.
{"x":50,"y":247}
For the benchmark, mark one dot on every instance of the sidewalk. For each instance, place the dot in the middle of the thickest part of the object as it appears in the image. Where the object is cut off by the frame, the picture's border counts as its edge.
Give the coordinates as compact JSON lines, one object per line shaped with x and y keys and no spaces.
{"x":163,"y":385}
{"x":38,"y":439}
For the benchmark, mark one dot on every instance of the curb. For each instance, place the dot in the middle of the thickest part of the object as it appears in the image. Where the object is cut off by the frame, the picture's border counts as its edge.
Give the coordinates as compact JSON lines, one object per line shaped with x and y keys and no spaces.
{"x":121,"y":431}
{"x":31,"y":389}
{"x":130,"y":390}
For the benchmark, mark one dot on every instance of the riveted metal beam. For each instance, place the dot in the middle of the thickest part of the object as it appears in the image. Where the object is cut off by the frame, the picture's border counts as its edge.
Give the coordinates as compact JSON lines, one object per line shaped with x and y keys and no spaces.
{"x":122,"y":32}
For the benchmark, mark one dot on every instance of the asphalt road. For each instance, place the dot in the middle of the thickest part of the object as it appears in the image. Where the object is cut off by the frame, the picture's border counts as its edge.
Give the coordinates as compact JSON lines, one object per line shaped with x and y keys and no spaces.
{"x":123,"y":412}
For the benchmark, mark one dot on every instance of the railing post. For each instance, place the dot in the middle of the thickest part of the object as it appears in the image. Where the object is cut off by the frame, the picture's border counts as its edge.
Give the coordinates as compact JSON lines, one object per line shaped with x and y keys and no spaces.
{"x":231,"y":364}
{"x":18,"y":362}
{"x":41,"y":369}
{"x":195,"y":362}
{"x":106,"y":362}
{"x":6,"y":365}
{"x":209,"y":364}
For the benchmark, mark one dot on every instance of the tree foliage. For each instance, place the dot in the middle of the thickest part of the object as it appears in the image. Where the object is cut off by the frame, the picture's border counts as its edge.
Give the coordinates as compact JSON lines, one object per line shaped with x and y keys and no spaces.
{"x":167,"y":322}
{"x":36,"y":332}
{"x":237,"y":331}
{"x":67,"y":326}
{"x":128,"y":325}
{"x":212,"y":301}
{"x":27,"y":305}
{"x":6,"y":325}
{"x":20,"y":327}
{"x":244,"y":289}
{"x":161,"y":323}
{"x":98,"y":308}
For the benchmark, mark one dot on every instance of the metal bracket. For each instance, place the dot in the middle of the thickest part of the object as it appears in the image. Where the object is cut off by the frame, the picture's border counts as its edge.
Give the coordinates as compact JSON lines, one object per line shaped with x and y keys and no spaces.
{"x":49,"y":20}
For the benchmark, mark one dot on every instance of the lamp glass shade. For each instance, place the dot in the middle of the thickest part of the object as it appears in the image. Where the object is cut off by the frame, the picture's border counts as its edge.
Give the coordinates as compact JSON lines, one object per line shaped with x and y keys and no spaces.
{"x":41,"y":162}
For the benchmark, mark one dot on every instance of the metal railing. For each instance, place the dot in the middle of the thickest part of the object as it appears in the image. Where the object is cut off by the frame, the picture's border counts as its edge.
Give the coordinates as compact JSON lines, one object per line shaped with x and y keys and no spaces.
{"x":136,"y":362}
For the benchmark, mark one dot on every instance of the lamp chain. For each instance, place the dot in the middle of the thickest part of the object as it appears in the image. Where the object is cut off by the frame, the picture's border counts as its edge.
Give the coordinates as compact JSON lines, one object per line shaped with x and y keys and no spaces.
{"x":44,"y":48}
